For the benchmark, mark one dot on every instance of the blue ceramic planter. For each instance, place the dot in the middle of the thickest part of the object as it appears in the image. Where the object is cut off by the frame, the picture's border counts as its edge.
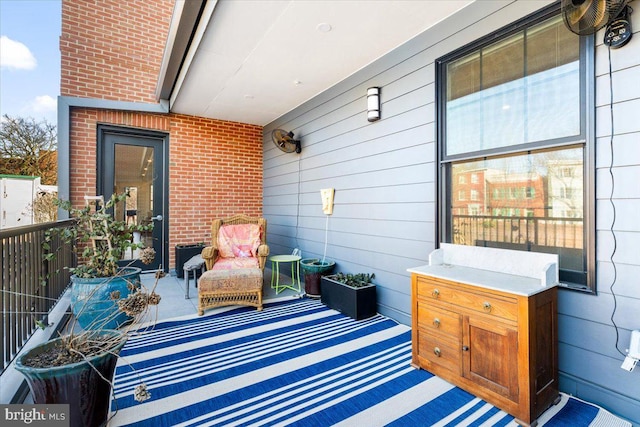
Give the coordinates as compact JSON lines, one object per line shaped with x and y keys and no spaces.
{"x":78,"y":384}
{"x":91,"y":300}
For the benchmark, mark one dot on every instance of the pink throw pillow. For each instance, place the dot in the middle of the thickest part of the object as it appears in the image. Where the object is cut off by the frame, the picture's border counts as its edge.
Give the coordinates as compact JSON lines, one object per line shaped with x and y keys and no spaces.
{"x":238,"y":240}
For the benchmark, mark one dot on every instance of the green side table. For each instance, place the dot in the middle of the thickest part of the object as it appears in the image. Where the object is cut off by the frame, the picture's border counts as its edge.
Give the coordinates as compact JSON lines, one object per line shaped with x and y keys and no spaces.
{"x":276,"y":260}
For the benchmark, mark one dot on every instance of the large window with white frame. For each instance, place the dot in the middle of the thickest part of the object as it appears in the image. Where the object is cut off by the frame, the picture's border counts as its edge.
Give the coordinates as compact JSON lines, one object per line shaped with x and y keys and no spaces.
{"x":515,"y":132}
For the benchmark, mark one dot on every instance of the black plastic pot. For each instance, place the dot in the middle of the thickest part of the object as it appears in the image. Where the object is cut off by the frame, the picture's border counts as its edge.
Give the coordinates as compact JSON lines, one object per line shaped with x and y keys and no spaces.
{"x":355,"y":302}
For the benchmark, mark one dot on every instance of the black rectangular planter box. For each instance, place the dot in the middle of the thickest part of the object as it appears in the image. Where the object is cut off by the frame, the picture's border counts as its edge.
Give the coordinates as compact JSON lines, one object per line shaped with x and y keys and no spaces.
{"x":357,"y":303}
{"x":184,"y":254}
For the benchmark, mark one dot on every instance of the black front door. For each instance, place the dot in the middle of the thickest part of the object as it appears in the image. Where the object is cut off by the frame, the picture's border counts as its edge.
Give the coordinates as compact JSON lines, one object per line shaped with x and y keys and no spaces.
{"x":134,"y":161}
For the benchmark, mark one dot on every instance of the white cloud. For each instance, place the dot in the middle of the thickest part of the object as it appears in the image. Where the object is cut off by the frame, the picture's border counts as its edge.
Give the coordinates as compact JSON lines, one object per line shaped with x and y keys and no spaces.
{"x":15,"y":55}
{"x":44,"y":104}
{"x":41,"y":107}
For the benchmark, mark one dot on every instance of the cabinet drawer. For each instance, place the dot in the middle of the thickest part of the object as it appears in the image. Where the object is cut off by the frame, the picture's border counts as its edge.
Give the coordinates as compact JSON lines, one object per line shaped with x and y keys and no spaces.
{"x":434,"y":319}
{"x":503,"y":307}
{"x":439,"y":350}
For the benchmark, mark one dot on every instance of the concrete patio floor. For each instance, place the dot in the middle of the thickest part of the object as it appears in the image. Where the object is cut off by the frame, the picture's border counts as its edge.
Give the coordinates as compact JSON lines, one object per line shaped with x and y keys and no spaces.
{"x":174,"y":304}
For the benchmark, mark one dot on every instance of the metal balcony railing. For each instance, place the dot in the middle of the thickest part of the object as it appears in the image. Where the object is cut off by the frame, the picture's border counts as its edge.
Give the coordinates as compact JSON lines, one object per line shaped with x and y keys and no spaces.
{"x":525,"y":231}
{"x":30,"y":285}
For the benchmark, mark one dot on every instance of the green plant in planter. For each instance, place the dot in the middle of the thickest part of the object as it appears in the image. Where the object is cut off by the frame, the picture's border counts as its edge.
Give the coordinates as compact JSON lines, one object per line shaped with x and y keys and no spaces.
{"x":98,"y":282}
{"x":77,"y":367}
{"x":357,"y":280}
{"x":351,"y":294}
{"x":99,"y":240}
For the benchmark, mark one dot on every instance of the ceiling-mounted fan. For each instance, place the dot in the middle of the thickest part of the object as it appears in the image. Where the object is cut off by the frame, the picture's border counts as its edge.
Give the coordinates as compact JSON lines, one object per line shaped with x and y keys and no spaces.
{"x":584,"y":17}
{"x":284,"y":140}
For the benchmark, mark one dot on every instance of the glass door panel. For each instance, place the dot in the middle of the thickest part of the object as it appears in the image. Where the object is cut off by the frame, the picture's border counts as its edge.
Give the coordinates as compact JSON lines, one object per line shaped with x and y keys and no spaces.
{"x":134,"y":164}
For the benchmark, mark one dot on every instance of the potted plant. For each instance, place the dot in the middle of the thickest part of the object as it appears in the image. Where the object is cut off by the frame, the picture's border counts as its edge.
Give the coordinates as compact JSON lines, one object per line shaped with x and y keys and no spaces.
{"x":100,"y":241}
{"x":77,"y":368}
{"x":351,"y":294}
{"x":314,"y":269}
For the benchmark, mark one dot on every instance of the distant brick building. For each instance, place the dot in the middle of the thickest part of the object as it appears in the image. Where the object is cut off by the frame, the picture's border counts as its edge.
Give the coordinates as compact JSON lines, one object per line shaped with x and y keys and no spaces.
{"x":517,"y":195}
{"x":488,"y":192}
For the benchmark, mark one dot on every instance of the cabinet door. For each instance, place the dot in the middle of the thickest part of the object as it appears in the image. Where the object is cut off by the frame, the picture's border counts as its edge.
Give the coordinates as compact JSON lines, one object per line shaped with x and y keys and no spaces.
{"x":490,"y":355}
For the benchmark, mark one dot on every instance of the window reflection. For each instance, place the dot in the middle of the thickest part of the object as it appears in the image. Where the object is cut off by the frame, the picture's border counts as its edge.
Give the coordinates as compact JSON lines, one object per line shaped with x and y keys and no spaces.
{"x":514,"y":128}
{"x":134,"y":173}
{"x":529,"y":202}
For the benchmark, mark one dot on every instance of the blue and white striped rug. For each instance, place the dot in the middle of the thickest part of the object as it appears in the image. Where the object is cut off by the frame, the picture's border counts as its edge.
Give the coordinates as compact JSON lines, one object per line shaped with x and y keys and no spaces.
{"x":299,"y":363}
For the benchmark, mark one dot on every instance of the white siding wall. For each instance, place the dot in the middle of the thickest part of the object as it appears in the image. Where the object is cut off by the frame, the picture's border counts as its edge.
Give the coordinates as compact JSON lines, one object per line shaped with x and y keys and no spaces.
{"x":385,"y":202}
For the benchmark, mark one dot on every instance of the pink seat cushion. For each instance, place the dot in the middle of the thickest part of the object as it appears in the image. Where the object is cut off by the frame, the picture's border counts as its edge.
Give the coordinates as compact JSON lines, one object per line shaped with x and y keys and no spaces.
{"x":235,"y":263}
{"x":239,"y":240}
{"x":238,"y":280}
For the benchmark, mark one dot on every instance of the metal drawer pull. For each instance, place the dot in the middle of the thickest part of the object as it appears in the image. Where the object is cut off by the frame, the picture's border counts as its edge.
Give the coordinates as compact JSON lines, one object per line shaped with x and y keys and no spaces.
{"x":465,"y":348}
{"x":437,"y":351}
{"x":435,"y":293}
{"x":436,"y":322}
{"x":487,"y":307}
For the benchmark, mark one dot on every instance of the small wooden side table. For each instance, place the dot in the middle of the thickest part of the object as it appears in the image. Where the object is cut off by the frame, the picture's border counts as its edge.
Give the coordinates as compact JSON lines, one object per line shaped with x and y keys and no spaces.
{"x":276,"y":260}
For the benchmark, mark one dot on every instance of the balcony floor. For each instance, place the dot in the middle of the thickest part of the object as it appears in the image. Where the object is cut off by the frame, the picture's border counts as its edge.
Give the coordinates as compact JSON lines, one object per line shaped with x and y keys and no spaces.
{"x":174,"y":304}
{"x":298,"y":363}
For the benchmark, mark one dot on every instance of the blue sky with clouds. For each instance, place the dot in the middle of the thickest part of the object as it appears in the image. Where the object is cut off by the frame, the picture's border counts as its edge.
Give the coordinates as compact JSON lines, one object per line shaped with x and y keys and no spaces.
{"x":30,"y":58}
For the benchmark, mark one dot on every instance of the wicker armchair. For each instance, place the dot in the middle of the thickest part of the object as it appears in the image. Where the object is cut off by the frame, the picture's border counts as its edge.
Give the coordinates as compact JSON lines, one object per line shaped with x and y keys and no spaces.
{"x":210,"y":254}
{"x":233,"y":279}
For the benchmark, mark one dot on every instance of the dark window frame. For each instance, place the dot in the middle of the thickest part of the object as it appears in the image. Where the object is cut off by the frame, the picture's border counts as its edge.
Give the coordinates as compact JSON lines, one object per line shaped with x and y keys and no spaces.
{"x":585,"y":281}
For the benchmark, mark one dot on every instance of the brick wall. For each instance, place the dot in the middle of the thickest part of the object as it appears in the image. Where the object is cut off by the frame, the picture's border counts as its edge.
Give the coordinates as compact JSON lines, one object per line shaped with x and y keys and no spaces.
{"x":83,"y":146}
{"x":112,"y":50}
{"x":216,"y":171}
{"x":215,"y":167}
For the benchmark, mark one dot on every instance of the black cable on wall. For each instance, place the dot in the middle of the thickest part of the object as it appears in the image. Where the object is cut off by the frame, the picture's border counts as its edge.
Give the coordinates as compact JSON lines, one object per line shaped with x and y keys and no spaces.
{"x":613,"y":206}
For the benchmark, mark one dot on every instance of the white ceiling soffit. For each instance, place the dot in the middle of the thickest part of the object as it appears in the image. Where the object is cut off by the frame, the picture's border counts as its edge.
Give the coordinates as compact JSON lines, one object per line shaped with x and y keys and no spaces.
{"x":256,"y":60}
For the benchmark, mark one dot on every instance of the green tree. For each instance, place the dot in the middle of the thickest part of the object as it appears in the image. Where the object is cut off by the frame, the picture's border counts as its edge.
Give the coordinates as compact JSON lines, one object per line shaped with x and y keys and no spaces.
{"x":28,"y":147}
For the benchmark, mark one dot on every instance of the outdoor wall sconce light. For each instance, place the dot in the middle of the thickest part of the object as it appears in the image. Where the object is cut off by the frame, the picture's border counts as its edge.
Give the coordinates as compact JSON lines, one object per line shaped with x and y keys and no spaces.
{"x":373,"y":104}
